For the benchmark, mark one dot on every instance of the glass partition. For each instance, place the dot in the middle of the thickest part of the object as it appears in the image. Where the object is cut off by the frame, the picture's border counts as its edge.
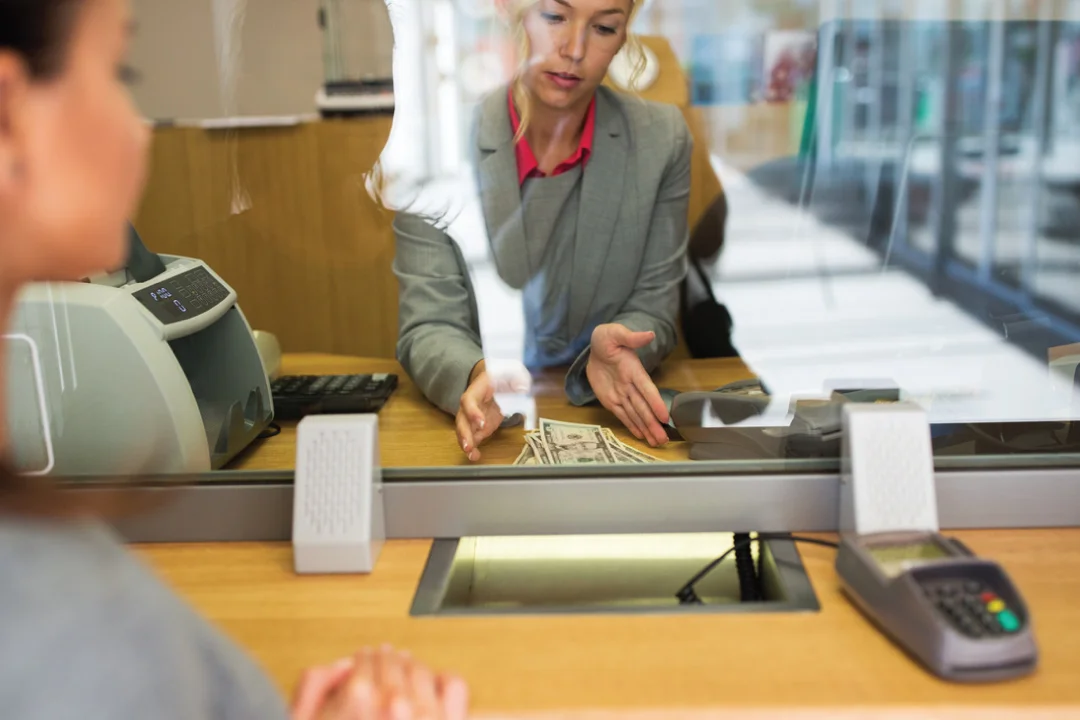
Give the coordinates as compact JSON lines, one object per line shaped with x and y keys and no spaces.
{"x":767,"y":210}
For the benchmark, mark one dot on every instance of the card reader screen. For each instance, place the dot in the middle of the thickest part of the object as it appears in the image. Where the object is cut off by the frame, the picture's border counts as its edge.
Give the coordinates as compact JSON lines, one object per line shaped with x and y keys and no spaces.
{"x":895,"y":559}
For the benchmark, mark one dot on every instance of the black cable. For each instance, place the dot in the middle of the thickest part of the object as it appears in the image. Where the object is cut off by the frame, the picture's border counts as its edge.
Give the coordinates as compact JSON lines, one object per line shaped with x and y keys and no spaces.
{"x":271,"y":430}
{"x":744,"y":567}
{"x":688,"y":596}
{"x":760,"y":570}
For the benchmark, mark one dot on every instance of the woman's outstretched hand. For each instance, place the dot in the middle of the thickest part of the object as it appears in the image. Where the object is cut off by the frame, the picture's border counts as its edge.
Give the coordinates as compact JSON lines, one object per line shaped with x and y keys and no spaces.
{"x":621,"y":383}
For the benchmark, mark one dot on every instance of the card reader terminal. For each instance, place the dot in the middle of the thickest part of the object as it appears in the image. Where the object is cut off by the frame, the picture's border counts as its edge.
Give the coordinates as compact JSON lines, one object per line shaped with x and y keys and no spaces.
{"x":958,"y":614}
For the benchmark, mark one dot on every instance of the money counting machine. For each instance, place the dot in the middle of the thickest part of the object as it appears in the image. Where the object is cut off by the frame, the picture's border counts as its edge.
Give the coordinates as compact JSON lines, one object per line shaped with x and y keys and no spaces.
{"x":151,"y":369}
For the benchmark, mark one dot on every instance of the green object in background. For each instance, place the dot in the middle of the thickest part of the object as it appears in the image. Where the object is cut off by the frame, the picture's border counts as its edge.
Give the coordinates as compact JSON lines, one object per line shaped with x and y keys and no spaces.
{"x":924,"y":108}
{"x":800,"y":140}
{"x":809,"y":112}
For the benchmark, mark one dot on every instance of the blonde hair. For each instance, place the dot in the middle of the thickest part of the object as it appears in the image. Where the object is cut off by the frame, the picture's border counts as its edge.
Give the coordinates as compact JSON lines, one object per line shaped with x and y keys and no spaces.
{"x":518,"y":9}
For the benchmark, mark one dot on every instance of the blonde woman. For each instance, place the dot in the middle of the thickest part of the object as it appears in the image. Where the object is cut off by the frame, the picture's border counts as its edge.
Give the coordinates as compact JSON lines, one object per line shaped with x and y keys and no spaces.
{"x":584,"y":192}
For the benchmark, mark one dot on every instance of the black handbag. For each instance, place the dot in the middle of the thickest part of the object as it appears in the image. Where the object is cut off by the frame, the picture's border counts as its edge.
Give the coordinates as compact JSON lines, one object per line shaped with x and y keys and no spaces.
{"x":706,"y":323}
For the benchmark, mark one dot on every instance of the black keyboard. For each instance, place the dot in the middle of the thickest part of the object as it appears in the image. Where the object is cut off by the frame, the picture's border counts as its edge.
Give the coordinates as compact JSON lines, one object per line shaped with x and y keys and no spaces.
{"x":298,"y":395}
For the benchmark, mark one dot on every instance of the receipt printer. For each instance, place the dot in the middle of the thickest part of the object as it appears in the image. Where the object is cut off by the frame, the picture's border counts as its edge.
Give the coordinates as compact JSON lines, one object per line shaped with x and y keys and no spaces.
{"x":119,"y":375}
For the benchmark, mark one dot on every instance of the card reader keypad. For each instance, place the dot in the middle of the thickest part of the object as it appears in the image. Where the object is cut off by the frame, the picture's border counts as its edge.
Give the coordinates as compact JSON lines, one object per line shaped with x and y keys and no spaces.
{"x":972,"y":608}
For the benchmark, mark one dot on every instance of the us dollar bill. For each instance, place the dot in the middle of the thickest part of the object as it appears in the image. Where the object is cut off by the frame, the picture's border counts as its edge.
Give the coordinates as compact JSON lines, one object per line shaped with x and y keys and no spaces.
{"x":527,"y":456}
{"x":621,"y":456}
{"x":540,"y":453}
{"x":630,"y":454}
{"x":574,"y":444}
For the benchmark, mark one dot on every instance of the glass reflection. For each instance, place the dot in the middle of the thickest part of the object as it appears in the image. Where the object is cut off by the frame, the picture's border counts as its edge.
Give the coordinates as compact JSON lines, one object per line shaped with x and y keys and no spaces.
{"x":880,"y":172}
{"x":757,"y":211}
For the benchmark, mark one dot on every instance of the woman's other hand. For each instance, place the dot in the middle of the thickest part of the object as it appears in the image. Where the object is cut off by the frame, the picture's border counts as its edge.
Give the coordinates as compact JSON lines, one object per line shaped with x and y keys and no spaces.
{"x":478,"y":415}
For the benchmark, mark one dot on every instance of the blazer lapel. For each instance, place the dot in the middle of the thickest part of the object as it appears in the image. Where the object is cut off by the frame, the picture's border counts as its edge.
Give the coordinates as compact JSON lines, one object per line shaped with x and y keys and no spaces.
{"x":601,"y":203}
{"x":500,"y":195}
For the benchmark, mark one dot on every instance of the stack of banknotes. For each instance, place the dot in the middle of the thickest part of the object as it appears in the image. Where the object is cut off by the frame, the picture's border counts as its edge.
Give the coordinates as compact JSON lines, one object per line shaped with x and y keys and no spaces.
{"x":563,"y":443}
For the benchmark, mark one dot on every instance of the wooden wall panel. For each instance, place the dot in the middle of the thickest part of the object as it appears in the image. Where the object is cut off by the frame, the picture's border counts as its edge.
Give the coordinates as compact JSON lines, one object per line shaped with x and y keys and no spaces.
{"x":283,"y":216}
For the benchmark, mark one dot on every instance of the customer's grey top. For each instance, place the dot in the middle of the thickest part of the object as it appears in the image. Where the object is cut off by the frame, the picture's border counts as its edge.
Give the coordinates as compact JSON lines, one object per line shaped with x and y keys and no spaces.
{"x":87,"y":632}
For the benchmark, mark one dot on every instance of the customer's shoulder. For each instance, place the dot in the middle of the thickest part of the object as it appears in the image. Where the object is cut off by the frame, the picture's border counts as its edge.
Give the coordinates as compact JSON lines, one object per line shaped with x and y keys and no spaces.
{"x":81,"y":582}
{"x":89,"y":631}
{"x":75,"y":557}
{"x":76,"y":616}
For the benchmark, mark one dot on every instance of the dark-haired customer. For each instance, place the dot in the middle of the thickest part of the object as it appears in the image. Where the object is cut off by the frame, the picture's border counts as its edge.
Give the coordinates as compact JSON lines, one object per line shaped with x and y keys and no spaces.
{"x":86,"y":631}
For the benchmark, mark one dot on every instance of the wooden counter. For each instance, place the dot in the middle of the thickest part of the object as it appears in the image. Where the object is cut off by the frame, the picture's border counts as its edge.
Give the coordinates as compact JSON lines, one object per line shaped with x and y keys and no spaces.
{"x":413,"y":433}
{"x":828,"y":660}
{"x":831,"y":658}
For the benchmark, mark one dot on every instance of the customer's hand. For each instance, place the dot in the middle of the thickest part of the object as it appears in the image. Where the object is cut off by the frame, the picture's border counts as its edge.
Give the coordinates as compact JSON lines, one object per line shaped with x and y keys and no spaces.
{"x":317,"y":685}
{"x":621,"y":384}
{"x":478,"y":416}
{"x":383,"y":684}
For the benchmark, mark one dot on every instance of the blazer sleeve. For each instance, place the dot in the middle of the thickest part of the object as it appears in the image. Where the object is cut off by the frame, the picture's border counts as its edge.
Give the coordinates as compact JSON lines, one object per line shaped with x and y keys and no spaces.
{"x":438,"y":323}
{"x":654,"y":304}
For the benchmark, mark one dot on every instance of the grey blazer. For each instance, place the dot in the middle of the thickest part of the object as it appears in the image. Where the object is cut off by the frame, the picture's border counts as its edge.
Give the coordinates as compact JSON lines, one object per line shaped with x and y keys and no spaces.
{"x":629,"y":256}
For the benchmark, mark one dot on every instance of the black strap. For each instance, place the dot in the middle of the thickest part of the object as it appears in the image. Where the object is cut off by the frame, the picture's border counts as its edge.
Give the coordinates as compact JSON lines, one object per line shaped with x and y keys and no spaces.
{"x":706,"y":323}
